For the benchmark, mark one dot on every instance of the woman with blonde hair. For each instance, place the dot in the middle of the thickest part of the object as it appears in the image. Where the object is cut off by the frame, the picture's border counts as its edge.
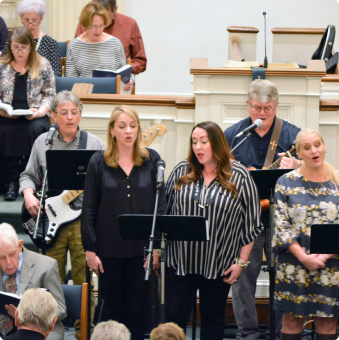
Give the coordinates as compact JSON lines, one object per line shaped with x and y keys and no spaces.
{"x":306,"y":284}
{"x":122,"y":180}
{"x":26,"y":82}
{"x":168,"y":331}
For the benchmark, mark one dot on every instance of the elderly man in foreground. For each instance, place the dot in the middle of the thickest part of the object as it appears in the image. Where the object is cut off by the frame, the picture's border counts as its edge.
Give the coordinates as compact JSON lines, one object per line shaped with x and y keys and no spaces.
{"x":22,"y":269}
{"x":35,"y":316}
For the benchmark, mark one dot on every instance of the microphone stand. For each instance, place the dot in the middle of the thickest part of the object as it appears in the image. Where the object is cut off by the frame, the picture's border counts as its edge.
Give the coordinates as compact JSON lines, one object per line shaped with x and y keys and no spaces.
{"x":42,"y":206}
{"x":148,"y":269}
{"x":265,"y":59}
{"x":248,"y":135}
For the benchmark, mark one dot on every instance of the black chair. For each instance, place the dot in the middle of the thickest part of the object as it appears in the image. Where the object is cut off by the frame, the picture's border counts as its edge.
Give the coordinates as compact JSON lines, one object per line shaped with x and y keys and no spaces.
{"x":101,"y":85}
{"x":76,"y":298}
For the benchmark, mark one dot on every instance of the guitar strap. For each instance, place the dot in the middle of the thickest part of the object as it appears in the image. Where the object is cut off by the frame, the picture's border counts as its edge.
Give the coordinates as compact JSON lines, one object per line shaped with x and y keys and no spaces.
{"x":83,"y":140}
{"x":273,"y":142}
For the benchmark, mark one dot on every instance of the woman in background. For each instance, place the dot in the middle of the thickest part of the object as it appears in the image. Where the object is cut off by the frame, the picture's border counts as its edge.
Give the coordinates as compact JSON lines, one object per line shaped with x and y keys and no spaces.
{"x":306,"y":284}
{"x":212,"y":185}
{"x":121,"y":180}
{"x":26,"y":82}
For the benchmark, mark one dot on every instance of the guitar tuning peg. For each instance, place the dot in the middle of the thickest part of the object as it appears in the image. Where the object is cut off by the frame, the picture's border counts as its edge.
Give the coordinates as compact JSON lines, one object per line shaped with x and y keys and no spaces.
{"x":151,"y":132}
{"x":151,"y":123}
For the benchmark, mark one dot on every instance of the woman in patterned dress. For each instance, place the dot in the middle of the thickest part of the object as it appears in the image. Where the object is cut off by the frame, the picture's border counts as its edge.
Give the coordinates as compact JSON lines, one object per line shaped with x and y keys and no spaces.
{"x":307,"y":285}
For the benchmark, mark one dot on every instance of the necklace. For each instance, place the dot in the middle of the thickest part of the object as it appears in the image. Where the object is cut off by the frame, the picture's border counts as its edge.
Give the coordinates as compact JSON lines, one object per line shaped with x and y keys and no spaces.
{"x":197,"y":193}
{"x":315,"y":191}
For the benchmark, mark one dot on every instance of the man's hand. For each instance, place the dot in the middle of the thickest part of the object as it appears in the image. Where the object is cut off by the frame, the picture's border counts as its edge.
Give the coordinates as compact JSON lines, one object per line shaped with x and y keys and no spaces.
{"x":11,"y":310}
{"x":288,"y":162}
{"x":31,"y":202}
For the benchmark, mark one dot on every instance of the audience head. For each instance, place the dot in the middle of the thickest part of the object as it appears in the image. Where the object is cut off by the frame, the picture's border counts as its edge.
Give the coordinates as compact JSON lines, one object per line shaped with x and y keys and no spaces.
{"x":37,"y":311}
{"x":262,"y":103}
{"x":168,"y":331}
{"x":111,"y":330}
{"x":10,"y":248}
{"x":124,"y":131}
{"x":91,"y":12}
{"x":311,"y":149}
{"x":32,"y":13}
{"x":67,"y":109}
{"x":111,"y":7}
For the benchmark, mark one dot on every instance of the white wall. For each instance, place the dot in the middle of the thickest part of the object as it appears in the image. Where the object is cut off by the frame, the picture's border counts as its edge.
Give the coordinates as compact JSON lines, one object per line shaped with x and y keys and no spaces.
{"x":176,"y":30}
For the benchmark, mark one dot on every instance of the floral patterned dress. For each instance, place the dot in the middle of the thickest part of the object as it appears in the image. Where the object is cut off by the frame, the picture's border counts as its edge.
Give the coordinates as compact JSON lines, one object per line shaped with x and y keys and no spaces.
{"x":299,"y":203}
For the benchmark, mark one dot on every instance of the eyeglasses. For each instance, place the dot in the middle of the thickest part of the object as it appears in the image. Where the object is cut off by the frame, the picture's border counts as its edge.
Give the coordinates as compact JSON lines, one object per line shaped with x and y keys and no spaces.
{"x":65,"y":114}
{"x":23,"y":50}
{"x":267,"y":109}
{"x":97,"y":27}
{"x":33,"y":22}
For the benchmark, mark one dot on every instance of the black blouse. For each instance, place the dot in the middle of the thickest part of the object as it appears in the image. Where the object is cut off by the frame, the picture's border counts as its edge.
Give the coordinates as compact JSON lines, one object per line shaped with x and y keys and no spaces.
{"x":109,"y":193}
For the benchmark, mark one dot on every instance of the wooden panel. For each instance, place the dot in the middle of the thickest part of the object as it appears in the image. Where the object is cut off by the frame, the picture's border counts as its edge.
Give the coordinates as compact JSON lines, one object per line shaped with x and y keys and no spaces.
{"x":295,"y":30}
{"x":242,"y":29}
{"x":329,"y":105}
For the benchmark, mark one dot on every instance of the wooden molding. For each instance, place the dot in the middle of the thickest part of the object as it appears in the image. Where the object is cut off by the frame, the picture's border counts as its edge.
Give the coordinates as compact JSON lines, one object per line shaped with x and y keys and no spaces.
{"x":329,"y":105}
{"x":242,"y":29}
{"x":185,"y":103}
{"x":295,"y":30}
{"x":330,"y":78}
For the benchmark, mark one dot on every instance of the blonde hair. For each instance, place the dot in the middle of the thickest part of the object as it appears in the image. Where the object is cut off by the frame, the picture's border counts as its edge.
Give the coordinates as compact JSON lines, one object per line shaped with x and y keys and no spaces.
{"x":140,"y":153}
{"x":23,"y":36}
{"x":37,"y":309}
{"x":168,"y":331}
{"x":332,"y":172}
{"x":89,"y":11}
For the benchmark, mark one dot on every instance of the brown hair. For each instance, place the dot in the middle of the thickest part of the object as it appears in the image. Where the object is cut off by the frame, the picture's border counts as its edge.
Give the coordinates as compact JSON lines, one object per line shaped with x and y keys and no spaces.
{"x":331,"y":170}
{"x":23,"y":36}
{"x":89,"y":11}
{"x":111,"y":153}
{"x":168,"y":331}
{"x":221,"y":154}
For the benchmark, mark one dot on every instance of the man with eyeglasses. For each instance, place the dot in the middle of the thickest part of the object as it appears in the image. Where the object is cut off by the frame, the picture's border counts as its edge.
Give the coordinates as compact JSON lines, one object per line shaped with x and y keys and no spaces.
{"x":266,"y":142}
{"x":67,"y":109}
{"x":127,"y":31}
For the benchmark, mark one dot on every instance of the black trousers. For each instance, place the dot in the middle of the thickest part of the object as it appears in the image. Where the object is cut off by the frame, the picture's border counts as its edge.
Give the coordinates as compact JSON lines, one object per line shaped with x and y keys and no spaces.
{"x":124,"y":291}
{"x":13,"y":167}
{"x":181,"y":292}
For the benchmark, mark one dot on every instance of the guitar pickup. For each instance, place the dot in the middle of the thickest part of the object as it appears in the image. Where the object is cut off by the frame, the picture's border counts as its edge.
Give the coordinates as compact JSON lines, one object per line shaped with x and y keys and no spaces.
{"x":51,"y":210}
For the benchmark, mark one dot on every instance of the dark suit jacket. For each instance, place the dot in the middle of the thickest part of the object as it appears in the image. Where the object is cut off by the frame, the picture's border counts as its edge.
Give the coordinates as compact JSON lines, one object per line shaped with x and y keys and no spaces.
{"x":39,"y":271}
{"x":23,"y":334}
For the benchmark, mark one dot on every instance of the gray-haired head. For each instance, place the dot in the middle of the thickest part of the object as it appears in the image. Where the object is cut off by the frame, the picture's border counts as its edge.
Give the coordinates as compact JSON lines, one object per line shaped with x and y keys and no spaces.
{"x":8,"y":235}
{"x":37,"y":310}
{"x":30,"y":6}
{"x":111,"y":330}
{"x":108,"y":4}
{"x":263,"y":91}
{"x":65,"y":97}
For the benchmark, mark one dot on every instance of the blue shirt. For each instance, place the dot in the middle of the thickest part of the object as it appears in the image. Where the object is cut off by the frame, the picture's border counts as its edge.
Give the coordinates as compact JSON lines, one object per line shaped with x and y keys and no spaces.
{"x":4,"y":276}
{"x":252,"y":153}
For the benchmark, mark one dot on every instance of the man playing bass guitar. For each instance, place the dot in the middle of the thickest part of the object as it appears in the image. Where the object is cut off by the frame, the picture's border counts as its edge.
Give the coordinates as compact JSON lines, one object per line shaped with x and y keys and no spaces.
{"x":67,"y":109}
{"x":267,"y":143}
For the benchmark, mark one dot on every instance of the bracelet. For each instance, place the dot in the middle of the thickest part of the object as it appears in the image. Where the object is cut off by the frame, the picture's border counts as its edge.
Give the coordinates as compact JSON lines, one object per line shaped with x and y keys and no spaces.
{"x":157,"y":252}
{"x":241,"y":263}
{"x":90,"y":258}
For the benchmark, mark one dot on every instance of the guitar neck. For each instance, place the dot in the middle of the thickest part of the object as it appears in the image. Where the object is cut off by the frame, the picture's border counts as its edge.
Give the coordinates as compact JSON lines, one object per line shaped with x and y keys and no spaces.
{"x":71,"y":195}
{"x":289,"y":153}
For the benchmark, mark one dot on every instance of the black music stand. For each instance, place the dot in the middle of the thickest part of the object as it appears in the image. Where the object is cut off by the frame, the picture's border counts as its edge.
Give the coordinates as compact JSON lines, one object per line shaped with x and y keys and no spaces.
{"x":173,"y":228}
{"x":324,"y":239}
{"x":66,"y":170}
{"x":265,"y":181}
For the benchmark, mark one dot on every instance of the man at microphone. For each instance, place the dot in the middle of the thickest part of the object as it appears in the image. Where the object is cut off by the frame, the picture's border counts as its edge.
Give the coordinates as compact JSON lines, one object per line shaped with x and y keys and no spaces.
{"x":67,"y":109}
{"x":270,"y":138}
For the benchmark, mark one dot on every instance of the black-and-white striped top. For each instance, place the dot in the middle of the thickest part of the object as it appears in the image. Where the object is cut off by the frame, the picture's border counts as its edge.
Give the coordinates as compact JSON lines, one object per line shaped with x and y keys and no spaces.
{"x":233,"y":223}
{"x":84,"y":57}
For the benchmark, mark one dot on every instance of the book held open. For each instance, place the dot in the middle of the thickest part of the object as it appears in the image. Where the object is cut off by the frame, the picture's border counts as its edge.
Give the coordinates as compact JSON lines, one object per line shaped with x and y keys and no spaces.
{"x":9,"y":109}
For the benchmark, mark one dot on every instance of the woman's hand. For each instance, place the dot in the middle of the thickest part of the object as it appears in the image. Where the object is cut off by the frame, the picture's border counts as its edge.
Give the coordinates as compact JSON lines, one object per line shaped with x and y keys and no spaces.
{"x":94,"y":263}
{"x":6,"y":115}
{"x":231,"y":275}
{"x":325,"y":257}
{"x":156,"y":264}
{"x":36,"y":114}
{"x":128,"y":86}
{"x":312,"y":261}
{"x":31,"y":202}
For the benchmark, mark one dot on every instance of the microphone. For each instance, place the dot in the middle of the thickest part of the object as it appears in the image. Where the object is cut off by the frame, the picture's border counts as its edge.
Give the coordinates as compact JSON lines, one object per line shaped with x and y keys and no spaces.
{"x":161,"y":171}
{"x":257,"y":123}
{"x":53,"y":129}
{"x":265,"y":59}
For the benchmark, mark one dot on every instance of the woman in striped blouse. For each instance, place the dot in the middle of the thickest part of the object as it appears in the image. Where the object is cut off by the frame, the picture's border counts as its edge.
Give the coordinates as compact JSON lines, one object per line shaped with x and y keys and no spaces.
{"x":95,"y":49}
{"x":209,"y":184}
